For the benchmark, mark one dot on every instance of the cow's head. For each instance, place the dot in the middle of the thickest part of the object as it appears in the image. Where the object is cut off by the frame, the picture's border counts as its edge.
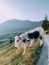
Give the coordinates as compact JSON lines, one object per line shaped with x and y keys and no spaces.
{"x":18,"y":41}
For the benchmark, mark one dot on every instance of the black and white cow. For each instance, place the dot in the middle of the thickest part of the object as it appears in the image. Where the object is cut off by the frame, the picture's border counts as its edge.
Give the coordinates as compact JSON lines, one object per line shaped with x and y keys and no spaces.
{"x":30,"y":36}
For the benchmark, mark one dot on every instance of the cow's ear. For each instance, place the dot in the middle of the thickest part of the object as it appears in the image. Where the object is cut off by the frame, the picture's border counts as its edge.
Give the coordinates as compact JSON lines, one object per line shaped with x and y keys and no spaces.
{"x":16,"y":37}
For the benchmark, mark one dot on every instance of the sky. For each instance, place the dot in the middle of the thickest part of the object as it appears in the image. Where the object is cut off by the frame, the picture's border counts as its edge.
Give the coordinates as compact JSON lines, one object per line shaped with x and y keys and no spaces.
{"x":34,"y":10}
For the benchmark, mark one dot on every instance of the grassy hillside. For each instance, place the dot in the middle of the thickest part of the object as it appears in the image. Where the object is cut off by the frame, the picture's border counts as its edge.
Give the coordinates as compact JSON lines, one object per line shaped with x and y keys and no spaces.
{"x":10,"y":56}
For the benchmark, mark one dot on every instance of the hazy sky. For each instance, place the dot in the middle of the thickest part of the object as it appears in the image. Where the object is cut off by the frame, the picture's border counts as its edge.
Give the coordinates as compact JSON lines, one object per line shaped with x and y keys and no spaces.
{"x":23,"y":9}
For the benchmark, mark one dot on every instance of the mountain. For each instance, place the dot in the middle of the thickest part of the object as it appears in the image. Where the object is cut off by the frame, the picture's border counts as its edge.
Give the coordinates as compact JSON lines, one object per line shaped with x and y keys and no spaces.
{"x":19,"y":26}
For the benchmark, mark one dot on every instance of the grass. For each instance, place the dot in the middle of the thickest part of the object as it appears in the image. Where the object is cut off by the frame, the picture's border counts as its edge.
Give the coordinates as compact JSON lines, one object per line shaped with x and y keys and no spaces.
{"x":10,"y":56}
{"x":47,"y":31}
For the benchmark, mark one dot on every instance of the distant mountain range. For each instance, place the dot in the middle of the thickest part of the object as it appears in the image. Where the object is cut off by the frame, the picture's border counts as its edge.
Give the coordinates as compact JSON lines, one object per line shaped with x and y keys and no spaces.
{"x":18,"y":26}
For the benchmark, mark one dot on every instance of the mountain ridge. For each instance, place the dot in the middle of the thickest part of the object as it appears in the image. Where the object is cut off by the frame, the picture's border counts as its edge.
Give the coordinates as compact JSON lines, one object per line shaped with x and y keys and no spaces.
{"x":16,"y":25}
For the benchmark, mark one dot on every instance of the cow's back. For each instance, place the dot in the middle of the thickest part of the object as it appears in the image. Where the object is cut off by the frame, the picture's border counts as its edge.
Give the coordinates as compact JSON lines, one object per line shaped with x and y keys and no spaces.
{"x":34,"y":35}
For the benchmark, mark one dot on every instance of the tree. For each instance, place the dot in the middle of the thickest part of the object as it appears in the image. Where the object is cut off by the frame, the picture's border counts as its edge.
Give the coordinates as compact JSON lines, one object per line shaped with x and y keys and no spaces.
{"x":46,"y":18}
{"x":45,"y":23}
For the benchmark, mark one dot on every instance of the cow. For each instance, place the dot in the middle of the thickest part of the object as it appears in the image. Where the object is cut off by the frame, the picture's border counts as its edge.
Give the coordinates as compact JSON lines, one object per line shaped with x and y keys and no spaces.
{"x":31,"y":36}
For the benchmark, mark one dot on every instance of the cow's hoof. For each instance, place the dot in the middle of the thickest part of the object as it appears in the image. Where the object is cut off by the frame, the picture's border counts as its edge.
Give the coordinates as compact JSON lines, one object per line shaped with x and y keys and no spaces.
{"x":23,"y":53}
{"x":29,"y":46}
{"x":15,"y":47}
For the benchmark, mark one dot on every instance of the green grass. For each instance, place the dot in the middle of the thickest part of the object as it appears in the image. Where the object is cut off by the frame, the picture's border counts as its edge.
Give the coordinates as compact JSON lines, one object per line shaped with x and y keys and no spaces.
{"x":6,"y":49}
{"x":10,"y":56}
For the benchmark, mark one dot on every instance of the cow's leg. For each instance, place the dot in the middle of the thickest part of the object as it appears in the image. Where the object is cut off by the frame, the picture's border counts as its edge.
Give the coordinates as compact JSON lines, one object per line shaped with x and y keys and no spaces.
{"x":25,"y":46}
{"x":31,"y":42}
{"x":41,"y":42}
